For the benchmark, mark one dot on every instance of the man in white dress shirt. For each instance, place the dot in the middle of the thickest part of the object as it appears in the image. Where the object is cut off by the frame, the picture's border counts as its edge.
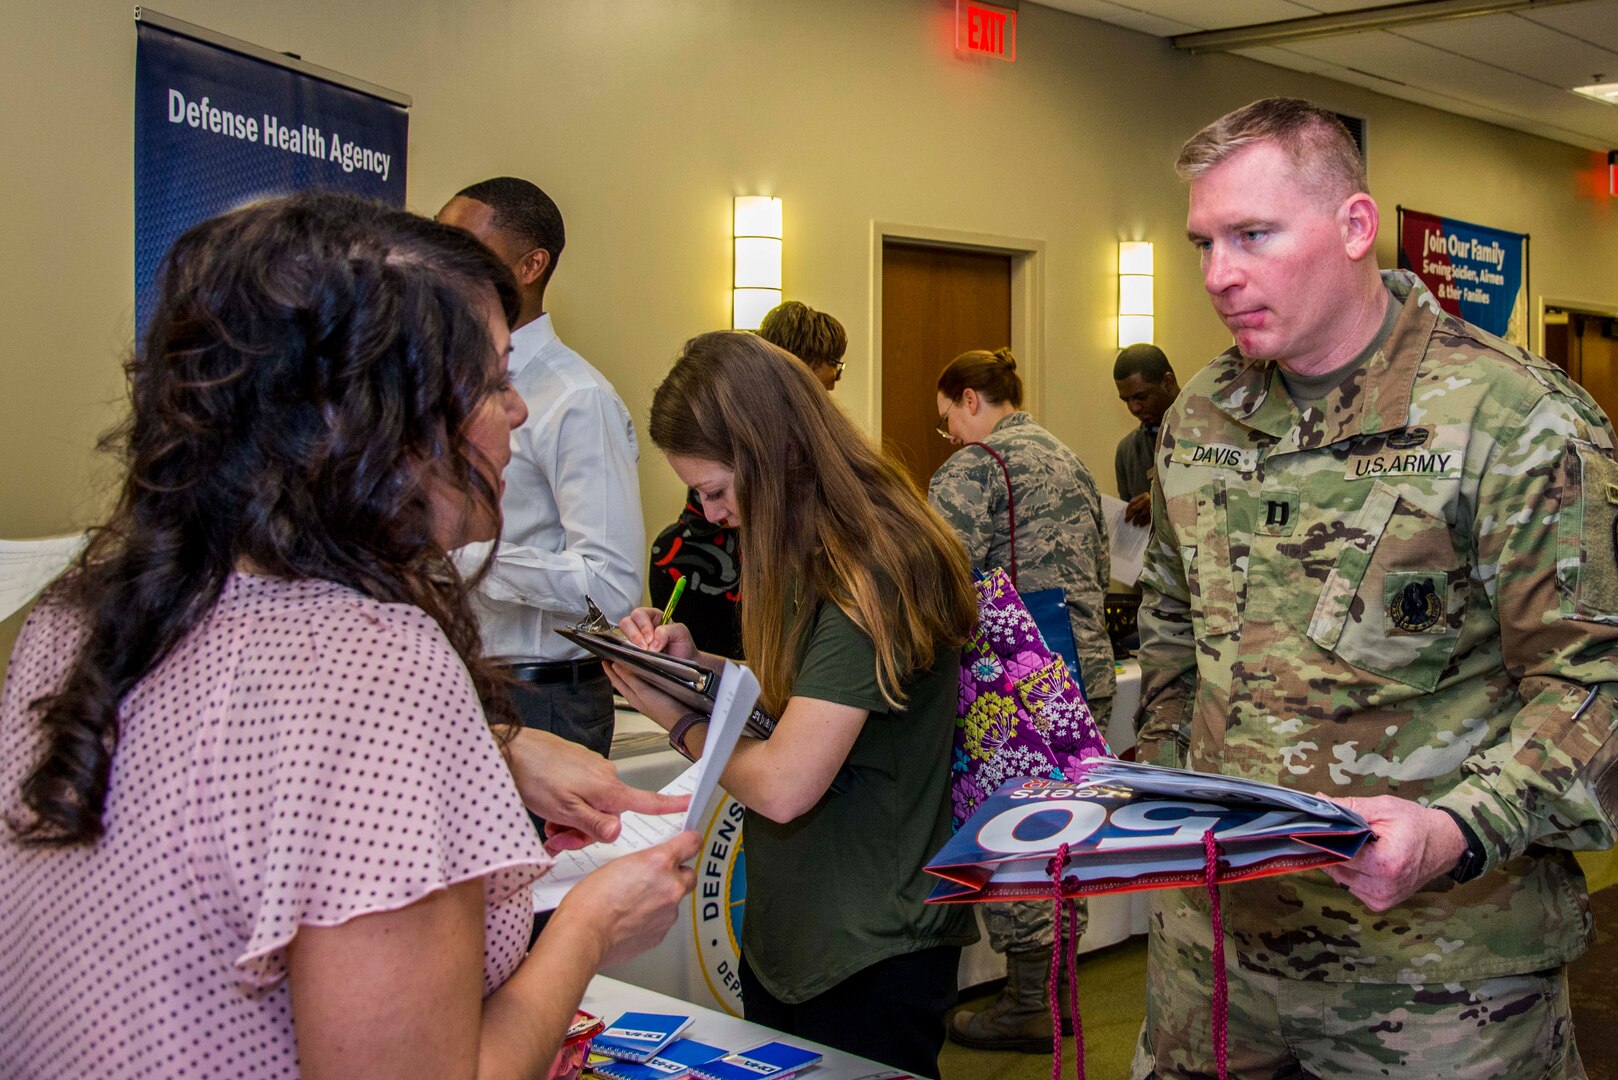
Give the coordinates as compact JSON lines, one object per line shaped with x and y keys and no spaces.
{"x":573,"y":524}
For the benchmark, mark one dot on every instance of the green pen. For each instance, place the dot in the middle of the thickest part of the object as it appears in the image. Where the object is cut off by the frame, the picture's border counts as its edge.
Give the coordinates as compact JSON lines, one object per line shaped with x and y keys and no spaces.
{"x":674,"y":598}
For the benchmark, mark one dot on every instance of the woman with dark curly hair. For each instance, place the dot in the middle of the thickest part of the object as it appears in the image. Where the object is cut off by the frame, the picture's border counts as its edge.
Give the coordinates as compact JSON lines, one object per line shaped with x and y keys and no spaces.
{"x":856,"y":600}
{"x":257,"y":820}
{"x":812,"y":336}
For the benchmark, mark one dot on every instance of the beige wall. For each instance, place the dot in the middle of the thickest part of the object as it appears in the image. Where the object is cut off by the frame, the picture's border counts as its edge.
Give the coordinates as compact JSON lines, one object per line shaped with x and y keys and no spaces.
{"x":644,"y":117}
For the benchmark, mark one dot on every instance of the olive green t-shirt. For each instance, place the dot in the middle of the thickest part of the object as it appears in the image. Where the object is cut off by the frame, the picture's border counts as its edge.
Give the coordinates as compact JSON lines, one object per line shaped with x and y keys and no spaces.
{"x":842,"y":887}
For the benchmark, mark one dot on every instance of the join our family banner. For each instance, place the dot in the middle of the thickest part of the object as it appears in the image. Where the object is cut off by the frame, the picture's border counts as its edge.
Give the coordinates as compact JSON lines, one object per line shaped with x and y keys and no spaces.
{"x":1475,"y":272}
{"x":215,"y":128}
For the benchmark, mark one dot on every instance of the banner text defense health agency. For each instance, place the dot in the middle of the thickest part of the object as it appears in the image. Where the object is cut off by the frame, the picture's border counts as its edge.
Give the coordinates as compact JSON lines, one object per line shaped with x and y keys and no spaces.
{"x":269,"y":130}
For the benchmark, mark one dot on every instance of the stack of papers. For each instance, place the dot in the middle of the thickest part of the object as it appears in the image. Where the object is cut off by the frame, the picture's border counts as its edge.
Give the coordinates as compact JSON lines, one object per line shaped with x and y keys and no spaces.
{"x":1132,"y":826}
{"x":738,"y":690}
{"x":637,"y":1036}
{"x":1127,"y":542}
{"x":772,"y":1061}
{"x":673,"y":1063}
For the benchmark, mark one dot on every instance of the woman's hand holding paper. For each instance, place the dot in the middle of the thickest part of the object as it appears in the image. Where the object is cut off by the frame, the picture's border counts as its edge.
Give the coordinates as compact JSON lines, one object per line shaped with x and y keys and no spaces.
{"x":629,"y":904}
{"x":576,"y":791}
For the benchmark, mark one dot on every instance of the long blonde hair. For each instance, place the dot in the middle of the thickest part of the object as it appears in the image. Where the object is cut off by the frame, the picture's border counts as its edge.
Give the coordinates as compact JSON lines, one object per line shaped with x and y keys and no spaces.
{"x":825,"y":514}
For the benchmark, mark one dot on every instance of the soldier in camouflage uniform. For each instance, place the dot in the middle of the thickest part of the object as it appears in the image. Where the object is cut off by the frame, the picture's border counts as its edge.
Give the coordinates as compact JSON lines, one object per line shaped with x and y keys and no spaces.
{"x":1061,"y":542}
{"x":1383,"y":569}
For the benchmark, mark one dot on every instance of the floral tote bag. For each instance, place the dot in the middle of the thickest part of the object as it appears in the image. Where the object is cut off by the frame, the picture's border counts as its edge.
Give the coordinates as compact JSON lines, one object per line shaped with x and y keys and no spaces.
{"x":1020,"y":712}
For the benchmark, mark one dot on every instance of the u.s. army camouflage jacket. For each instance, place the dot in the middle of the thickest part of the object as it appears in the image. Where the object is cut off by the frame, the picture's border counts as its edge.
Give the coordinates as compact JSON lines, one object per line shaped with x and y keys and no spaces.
{"x":1411,"y":589}
{"x":1061,"y":535}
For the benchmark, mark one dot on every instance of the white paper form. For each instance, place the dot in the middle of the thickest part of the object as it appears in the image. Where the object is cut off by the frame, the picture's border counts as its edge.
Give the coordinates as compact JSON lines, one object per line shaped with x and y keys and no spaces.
{"x":27,"y":566}
{"x":738,"y":690}
{"x":1127,"y":542}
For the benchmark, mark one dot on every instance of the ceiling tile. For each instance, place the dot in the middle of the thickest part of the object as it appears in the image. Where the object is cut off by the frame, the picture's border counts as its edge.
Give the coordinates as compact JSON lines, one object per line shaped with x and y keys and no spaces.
{"x":1595,"y":21}
{"x":1130,"y":17}
{"x":1185,"y":16}
{"x":1319,"y":7}
{"x":1225,"y":13}
{"x":1286,"y":57}
{"x":1393,"y":64}
{"x":1511,"y":69}
{"x":1519,"y":45}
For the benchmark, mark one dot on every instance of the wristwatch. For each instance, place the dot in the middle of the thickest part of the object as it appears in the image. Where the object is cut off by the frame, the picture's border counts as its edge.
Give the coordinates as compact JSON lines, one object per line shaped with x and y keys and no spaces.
{"x":1473,"y":858}
{"x":681,"y":728}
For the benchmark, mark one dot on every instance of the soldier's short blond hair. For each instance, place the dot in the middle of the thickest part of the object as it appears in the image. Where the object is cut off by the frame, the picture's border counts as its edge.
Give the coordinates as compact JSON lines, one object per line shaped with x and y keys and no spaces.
{"x":1314,"y":139}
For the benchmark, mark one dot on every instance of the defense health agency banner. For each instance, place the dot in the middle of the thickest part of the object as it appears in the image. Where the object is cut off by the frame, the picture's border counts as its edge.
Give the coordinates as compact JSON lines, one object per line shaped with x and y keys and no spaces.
{"x":215,"y":128}
{"x":1476,"y":272}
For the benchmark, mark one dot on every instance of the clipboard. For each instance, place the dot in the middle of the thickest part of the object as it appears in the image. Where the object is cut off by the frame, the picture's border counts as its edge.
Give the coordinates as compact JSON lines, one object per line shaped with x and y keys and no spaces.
{"x":684,"y":680}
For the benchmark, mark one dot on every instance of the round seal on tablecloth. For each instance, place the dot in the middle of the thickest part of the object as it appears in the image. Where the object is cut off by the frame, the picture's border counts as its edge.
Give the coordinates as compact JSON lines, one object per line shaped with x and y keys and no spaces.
{"x":717,"y":904}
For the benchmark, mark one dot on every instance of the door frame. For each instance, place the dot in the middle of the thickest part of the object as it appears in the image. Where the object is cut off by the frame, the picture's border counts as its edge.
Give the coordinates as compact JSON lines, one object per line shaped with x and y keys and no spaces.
{"x":1027,"y":301}
{"x":1584,"y":307}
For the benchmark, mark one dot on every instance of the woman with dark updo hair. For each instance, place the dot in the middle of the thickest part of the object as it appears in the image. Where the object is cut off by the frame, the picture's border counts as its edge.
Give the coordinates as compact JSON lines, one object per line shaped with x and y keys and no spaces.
{"x":1011,"y":469}
{"x":258,"y":823}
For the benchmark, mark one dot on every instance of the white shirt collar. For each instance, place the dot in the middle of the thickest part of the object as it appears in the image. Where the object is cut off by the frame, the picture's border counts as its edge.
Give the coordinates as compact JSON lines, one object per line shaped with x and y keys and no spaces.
{"x":528,"y":340}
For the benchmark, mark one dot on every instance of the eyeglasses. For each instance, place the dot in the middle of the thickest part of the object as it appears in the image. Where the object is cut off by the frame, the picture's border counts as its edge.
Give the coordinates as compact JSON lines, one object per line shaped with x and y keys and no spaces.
{"x":942,"y":427}
{"x":841,"y":364}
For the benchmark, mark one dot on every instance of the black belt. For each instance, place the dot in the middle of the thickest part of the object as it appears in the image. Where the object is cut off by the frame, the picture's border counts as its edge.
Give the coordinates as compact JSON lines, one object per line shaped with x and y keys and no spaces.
{"x":550,"y":672}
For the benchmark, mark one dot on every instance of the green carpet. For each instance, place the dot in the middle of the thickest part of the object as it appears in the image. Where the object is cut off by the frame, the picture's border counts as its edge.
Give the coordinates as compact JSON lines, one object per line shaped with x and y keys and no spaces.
{"x":1112,"y":1000}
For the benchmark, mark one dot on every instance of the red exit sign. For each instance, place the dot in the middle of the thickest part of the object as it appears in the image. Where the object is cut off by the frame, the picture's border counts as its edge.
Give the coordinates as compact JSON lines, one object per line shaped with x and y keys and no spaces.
{"x":985,"y":29}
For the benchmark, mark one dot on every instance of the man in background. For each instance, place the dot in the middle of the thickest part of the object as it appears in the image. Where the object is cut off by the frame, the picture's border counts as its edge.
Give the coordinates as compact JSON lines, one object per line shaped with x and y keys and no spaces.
{"x":573,"y":525}
{"x":1147,"y":387}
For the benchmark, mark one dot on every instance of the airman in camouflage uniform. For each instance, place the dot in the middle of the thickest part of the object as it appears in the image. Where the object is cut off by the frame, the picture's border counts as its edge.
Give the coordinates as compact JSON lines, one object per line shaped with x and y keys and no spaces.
{"x":1061,"y":535}
{"x":1061,"y":542}
{"x":1405,"y":589}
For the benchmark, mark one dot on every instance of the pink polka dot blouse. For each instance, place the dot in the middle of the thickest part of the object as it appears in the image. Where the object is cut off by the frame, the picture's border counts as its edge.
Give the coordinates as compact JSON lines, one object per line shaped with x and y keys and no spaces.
{"x":305,"y":756}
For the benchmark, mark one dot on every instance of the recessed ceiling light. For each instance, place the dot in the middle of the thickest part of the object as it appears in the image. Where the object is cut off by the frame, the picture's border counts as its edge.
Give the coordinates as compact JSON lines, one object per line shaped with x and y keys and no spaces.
{"x":1607,"y":91}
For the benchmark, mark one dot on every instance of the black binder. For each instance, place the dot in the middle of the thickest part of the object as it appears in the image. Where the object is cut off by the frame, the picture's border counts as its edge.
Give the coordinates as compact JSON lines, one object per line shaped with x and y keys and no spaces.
{"x":684,"y":680}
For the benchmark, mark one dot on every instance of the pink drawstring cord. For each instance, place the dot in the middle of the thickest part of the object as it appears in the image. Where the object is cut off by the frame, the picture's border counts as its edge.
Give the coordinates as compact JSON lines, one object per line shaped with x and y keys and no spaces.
{"x":1065,"y":949}
{"x":1064,"y":907}
{"x":1220,"y":1018}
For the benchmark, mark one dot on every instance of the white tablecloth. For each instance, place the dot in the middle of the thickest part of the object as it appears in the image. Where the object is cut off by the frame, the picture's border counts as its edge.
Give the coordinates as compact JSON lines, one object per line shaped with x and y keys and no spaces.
{"x":696,"y":962}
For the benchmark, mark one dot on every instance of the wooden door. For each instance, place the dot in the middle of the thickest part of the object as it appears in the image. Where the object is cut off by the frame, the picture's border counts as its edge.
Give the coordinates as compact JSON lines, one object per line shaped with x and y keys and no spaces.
{"x":937,"y":303}
{"x":1595,"y":349}
{"x":1585,"y":345}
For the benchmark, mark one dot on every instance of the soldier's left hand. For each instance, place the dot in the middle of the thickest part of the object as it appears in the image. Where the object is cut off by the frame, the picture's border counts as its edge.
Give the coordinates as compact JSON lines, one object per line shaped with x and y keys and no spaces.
{"x":1411,"y":845}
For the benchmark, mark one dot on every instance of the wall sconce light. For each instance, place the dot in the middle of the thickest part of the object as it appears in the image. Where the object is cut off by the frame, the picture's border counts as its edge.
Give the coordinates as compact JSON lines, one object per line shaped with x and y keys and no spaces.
{"x":756,"y":285}
{"x":1134,"y":292}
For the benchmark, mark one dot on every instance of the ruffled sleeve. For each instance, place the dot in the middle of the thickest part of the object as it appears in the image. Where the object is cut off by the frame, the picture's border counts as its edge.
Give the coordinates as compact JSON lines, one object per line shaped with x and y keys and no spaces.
{"x":347,"y":769}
